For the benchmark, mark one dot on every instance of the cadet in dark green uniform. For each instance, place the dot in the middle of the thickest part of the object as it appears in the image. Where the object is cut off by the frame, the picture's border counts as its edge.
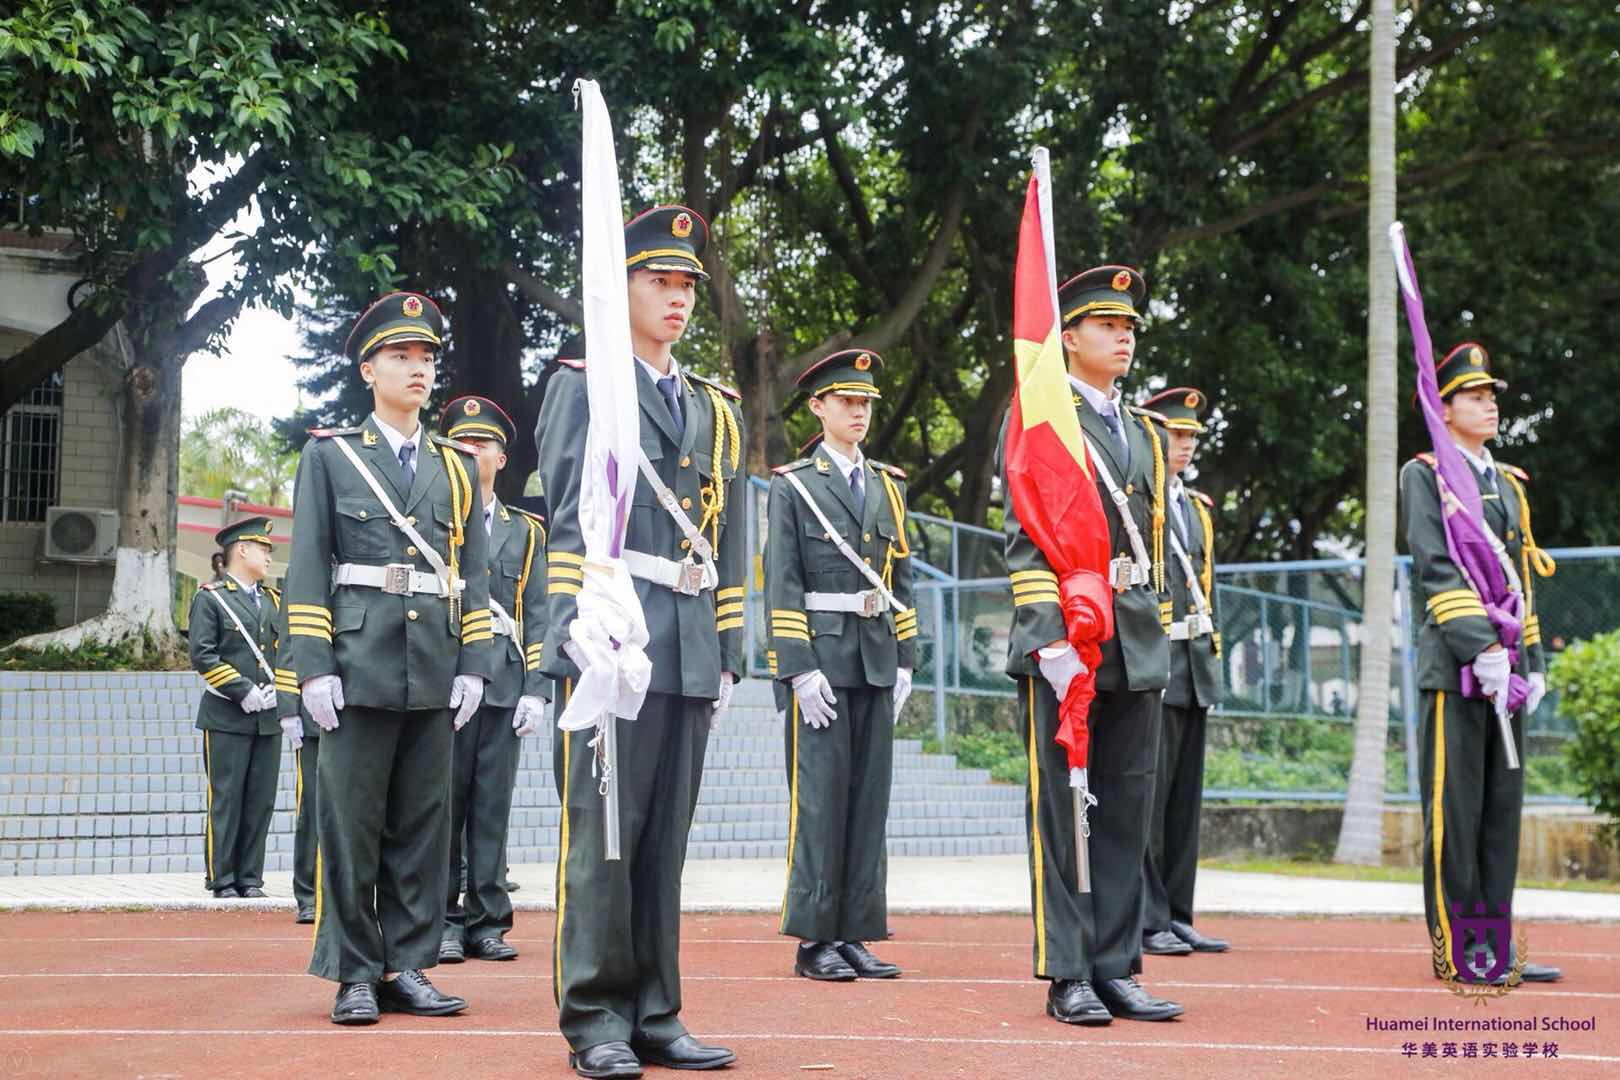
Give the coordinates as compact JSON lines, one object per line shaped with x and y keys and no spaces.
{"x":616,"y":971}
{"x":486,"y":754}
{"x":233,"y":636}
{"x":390,"y":631}
{"x":1471,"y":800}
{"x":1171,"y":866}
{"x":1090,"y":946}
{"x":304,"y":739}
{"x":843,"y":633}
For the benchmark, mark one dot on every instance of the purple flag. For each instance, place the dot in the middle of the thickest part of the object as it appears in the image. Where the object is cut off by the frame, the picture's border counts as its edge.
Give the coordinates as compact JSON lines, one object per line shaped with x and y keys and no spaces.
{"x":1469,"y":541}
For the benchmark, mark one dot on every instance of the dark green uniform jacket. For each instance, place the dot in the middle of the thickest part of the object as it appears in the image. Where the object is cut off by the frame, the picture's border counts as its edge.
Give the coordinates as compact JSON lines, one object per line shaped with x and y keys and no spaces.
{"x":393,"y":652}
{"x":222,"y":657}
{"x":692,"y":638}
{"x":1195,"y":664}
{"x":1137,"y":656}
{"x":850,"y":649}
{"x":517,"y":581}
{"x":1455,"y":627}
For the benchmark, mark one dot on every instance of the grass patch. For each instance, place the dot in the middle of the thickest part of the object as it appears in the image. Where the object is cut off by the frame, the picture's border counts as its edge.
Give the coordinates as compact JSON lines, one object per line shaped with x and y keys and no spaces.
{"x":93,"y":657}
{"x":1406,"y":874}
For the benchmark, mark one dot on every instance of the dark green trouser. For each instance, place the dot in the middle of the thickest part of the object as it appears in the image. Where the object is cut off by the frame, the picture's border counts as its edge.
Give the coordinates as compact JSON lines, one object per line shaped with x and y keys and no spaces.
{"x":1096,"y":935}
{"x":383,"y":818}
{"x":838,"y":785}
{"x":1471,"y":806}
{"x":305,"y":760}
{"x":1171,"y":866}
{"x":484,"y":772}
{"x":616,"y":964}
{"x":242,"y":772}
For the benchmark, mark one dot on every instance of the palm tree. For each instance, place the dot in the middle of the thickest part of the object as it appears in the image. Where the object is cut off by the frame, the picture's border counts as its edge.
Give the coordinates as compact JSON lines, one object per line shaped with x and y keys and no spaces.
{"x":227,"y":448}
{"x":1361,"y":831}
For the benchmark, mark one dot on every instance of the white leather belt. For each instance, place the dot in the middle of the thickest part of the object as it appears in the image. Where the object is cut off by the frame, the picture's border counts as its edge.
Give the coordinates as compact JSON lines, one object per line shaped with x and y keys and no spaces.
{"x":1192,"y":626}
{"x":686,"y":577}
{"x":396,"y":579}
{"x":867,"y":604}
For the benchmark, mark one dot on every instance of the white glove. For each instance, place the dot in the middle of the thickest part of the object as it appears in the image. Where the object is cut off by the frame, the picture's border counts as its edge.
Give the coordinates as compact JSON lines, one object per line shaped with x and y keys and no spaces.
{"x":728,"y":683}
{"x":293,"y":728}
{"x":323,"y":697}
{"x":818,"y":704}
{"x":468,"y":692}
{"x":258,"y":699}
{"x":1538,"y":690}
{"x":1492,"y":669}
{"x":530,"y":714}
{"x":902,"y":690}
{"x":1060,"y":666}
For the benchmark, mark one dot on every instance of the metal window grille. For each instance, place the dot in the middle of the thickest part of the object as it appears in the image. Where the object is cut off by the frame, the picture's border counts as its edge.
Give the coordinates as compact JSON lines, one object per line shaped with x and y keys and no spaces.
{"x":31,"y":453}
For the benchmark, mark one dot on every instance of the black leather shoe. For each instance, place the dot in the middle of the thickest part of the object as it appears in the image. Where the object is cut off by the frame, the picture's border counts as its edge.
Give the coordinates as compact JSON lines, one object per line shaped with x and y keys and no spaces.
{"x":865,"y":964}
{"x":227,"y":893}
{"x":490,"y":948}
{"x":452,"y":950}
{"x":305,"y":915}
{"x":1073,"y":1001}
{"x":510,"y":885}
{"x":1199,"y":942}
{"x":1128,"y":1000}
{"x":1531,"y":972}
{"x":685,"y":1053}
{"x":1164,"y":943}
{"x":412,"y":993}
{"x":820,"y":961}
{"x":609,"y":1059}
{"x":356,"y":1004}
{"x":250,"y":892}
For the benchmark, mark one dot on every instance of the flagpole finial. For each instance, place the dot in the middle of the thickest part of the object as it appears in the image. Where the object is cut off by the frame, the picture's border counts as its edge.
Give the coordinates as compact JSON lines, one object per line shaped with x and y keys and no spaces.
{"x":1397,"y":247}
{"x":579,"y":85}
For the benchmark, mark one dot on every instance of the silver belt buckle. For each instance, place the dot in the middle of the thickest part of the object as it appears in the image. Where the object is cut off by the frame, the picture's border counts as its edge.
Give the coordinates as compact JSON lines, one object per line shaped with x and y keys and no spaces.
{"x":872,"y":604}
{"x":1139,"y":574}
{"x":1204,"y":624}
{"x":397,"y":579}
{"x":690,"y":581}
{"x":1122,"y":573}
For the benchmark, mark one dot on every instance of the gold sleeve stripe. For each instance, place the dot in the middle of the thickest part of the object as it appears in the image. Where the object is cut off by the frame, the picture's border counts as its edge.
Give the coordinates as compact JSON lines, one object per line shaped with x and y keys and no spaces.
{"x":789,"y":613}
{"x":536,"y":649}
{"x":1446,"y":617}
{"x":1033,"y":586}
{"x":1457,"y":606}
{"x":562,"y":588}
{"x":791,"y":635}
{"x":1451,"y":594}
{"x":1033,"y":575}
{"x":729,"y":624}
{"x":565,"y":573}
{"x":906,"y":635}
{"x":307,"y":631}
{"x":473,"y":619}
{"x":566,"y":558}
{"x":217,"y":668}
{"x":1049,"y":596}
{"x":732,"y":592}
{"x":218,"y":679}
{"x":309,"y":609}
{"x":477,"y":636}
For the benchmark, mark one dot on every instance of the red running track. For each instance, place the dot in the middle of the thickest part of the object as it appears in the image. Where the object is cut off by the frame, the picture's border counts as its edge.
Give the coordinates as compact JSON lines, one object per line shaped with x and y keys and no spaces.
{"x":184,"y":994}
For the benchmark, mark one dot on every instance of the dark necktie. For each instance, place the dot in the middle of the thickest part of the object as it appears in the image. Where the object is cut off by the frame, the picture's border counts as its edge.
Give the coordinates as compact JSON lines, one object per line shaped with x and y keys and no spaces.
{"x":1110,"y":417}
{"x":407,"y":463}
{"x":858,"y":488}
{"x":666,"y":386}
{"x":254,"y":592}
{"x":1490,"y":479}
{"x":1184,"y":516}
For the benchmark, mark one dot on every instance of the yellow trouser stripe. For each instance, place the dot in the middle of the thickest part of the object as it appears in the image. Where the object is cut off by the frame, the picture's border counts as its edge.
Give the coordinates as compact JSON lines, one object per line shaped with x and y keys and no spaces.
{"x":208,"y":807}
{"x":562,"y":854}
{"x":1437,"y":816}
{"x":1035,"y":845}
{"x":320,"y":907}
{"x":793,"y":810}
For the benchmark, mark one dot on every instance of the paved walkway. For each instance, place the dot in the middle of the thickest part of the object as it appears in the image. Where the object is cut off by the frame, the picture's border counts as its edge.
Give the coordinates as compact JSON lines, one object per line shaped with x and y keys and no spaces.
{"x":988,"y":884}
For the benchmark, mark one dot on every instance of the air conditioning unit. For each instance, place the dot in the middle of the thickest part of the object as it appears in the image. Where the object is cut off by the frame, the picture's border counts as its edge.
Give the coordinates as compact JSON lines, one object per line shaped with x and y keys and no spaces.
{"x":75,"y":534}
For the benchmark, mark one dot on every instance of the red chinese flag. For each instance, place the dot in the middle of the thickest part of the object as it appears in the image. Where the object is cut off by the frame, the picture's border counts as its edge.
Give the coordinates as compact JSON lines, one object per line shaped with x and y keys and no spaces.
{"x":1049,"y":476}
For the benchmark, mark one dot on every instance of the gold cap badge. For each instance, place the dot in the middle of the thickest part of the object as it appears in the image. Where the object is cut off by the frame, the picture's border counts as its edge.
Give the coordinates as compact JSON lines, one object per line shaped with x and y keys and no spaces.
{"x":412,"y":307}
{"x":681,"y":226}
{"x":863,"y":361}
{"x":471,"y":408}
{"x":1122,"y":281}
{"x":1476,"y":356}
{"x":1192,"y":400}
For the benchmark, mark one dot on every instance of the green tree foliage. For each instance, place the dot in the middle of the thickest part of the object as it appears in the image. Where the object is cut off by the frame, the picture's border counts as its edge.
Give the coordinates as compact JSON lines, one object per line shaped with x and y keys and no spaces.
{"x":231,"y":450}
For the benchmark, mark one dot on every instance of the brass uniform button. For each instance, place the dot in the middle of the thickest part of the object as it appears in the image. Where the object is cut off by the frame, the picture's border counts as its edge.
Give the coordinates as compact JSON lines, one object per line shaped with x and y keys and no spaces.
{"x":362,"y":515}
{"x":867,"y":537}
{"x":411,"y":615}
{"x":1130,"y":489}
{"x":869,"y":560}
{"x":410,"y":551}
{"x":686,"y":463}
{"x":686,"y":504}
{"x":686,"y":545}
{"x":411,"y":520}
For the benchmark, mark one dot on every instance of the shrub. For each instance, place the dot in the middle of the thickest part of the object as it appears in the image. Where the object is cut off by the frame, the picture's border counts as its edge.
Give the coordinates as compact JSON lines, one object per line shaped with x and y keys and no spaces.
{"x":1587,"y":676}
{"x":24,"y":613}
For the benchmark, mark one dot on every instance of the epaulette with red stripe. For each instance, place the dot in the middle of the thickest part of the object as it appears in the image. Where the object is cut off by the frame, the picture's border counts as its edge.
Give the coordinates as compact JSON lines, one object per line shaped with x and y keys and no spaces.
{"x":329,"y":432}
{"x":791,"y":466}
{"x":892,"y":470}
{"x":724,"y":389}
{"x":1201,"y":497}
{"x":1513,"y":470}
{"x":566,"y":361}
{"x":456,"y":444}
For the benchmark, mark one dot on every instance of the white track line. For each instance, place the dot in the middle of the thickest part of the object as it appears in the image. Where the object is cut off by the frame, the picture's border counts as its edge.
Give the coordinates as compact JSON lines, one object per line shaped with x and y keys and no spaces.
{"x":915,"y":1040}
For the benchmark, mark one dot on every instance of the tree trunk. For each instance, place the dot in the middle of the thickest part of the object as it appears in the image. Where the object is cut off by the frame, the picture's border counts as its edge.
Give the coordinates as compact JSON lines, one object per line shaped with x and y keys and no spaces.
{"x":1361,"y":831}
{"x":140,"y":610}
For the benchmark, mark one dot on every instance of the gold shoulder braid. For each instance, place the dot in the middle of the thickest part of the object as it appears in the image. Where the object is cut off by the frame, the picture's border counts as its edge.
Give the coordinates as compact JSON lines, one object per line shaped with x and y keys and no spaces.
{"x":1207,"y":574}
{"x":726,"y":433}
{"x":1158,"y":503}
{"x":523,"y":578}
{"x":460,"y":508}
{"x":901,"y":550}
